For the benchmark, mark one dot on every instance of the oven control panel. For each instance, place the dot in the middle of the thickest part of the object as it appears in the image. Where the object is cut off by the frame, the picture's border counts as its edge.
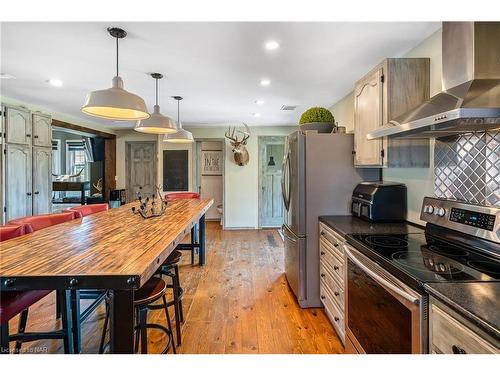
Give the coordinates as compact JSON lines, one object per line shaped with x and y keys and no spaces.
{"x":476,"y":220}
{"x":473,"y":218}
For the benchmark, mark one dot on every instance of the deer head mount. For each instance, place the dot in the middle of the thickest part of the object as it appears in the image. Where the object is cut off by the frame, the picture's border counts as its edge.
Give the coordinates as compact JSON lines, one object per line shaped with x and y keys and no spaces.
{"x":240,"y":152}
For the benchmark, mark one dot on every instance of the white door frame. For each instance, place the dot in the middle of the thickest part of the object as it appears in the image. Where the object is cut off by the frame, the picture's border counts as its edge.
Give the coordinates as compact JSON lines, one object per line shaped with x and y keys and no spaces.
{"x":269,"y":139}
{"x":197,"y":172}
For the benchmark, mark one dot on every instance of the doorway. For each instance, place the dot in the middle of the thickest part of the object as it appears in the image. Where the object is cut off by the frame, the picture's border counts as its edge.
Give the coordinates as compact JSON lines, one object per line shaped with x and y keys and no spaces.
{"x":271,"y":209}
{"x":208,"y":175}
{"x":140,"y":166}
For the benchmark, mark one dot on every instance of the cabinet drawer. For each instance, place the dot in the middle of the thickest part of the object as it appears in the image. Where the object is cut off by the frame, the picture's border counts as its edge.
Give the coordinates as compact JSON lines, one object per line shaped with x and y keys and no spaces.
{"x":332,"y":311}
{"x":449,"y":336}
{"x":334,"y":263}
{"x":334,"y":286}
{"x":330,"y":236}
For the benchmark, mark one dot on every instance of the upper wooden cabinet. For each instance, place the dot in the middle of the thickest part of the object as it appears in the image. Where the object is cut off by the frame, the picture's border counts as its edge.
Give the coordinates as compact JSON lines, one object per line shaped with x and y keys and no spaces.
{"x":17,"y":126}
{"x":393,"y":87}
{"x":42,"y":130}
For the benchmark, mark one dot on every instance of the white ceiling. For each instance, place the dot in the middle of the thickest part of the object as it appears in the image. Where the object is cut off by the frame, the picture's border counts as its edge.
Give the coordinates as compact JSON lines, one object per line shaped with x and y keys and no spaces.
{"x":215,"y":66}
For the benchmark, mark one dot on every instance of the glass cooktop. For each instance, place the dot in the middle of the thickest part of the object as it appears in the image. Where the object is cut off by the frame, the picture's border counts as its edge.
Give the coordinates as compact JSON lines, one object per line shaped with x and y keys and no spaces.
{"x":426,"y":259}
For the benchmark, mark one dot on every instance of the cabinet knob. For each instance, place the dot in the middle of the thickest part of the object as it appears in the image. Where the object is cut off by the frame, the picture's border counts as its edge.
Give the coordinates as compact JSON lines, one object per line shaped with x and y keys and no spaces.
{"x":37,"y":192}
{"x":322,"y":253}
{"x":322,"y":275}
{"x":36,"y":136}
{"x":28,"y":194}
{"x":28,"y":135}
{"x":336,"y":318}
{"x":322,"y":297}
{"x":336,"y":268}
{"x":322,"y":233}
{"x":336,"y":244}
{"x":458,"y":350}
{"x":336,"y":293}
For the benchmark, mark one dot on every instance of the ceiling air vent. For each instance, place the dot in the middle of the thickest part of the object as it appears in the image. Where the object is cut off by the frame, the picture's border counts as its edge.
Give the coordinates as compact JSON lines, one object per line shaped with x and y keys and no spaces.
{"x":288,"y":107}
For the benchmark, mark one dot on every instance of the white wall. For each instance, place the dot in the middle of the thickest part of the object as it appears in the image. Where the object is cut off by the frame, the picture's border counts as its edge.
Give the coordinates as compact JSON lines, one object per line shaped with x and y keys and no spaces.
{"x":419,"y":181}
{"x":212,"y":186}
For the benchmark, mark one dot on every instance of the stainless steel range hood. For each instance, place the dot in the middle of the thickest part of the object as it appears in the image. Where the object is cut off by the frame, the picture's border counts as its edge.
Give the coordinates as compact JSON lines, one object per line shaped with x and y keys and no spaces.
{"x":471,"y":83}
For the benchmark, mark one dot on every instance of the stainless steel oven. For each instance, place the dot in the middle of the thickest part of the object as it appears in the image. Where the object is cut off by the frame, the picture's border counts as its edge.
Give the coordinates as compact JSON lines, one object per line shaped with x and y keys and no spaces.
{"x":383,"y":314}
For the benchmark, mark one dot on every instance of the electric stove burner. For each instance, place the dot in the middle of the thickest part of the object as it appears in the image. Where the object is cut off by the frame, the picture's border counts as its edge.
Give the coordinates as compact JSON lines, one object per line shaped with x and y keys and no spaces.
{"x":415,"y":260}
{"x":450,"y":251}
{"x":386,"y":241}
{"x":488,"y":267}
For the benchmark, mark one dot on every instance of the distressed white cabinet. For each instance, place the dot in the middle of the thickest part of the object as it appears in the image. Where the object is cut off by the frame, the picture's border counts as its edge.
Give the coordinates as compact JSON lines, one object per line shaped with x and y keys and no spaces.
{"x":42,"y":180}
{"x":449,"y":334}
{"x":42,"y":130}
{"x":390,"y":89}
{"x":332,"y":277}
{"x":17,"y":126}
{"x":26,"y":180}
{"x":18,"y":181}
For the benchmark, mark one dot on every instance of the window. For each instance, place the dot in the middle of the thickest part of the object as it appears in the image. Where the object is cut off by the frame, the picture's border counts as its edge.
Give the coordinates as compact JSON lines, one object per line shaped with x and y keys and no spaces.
{"x":56,"y":156}
{"x":76,"y":160}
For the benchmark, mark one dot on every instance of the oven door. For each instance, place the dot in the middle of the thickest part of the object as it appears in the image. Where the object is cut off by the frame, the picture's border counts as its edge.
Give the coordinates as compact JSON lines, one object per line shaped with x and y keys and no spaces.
{"x":383,"y":314}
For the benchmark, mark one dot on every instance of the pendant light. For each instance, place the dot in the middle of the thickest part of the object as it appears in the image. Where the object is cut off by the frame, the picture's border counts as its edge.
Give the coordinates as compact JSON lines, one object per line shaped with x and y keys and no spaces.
{"x":115,"y":103}
{"x":182,"y":136}
{"x":271,"y":163}
{"x":157,"y":123}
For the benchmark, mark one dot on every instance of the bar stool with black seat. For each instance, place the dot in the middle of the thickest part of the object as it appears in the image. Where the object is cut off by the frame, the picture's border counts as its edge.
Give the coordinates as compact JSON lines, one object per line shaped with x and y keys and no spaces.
{"x":192,"y":246}
{"x":15,"y":303}
{"x":170,"y":268}
{"x":144,"y":299}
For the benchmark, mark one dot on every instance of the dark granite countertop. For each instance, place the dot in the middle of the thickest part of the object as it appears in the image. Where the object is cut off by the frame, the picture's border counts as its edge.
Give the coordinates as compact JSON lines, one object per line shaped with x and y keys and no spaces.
{"x":347,"y":224}
{"x":479,"y":302}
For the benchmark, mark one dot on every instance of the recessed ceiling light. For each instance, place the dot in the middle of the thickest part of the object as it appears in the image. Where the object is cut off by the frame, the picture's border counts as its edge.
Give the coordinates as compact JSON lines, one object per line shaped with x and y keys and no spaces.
{"x":6,"y":76}
{"x":55,"y":82}
{"x":272,"y":45}
{"x":256,"y":114}
{"x":265,"y":82}
{"x":259,"y":102}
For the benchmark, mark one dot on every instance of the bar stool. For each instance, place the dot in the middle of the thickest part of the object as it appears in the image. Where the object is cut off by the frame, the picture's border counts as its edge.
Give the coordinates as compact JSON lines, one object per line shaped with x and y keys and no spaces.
{"x":170,"y":268}
{"x":144,"y":298}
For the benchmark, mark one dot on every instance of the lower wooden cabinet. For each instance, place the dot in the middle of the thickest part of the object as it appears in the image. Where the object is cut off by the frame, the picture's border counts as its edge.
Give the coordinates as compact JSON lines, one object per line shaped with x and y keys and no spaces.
{"x":332,"y":277}
{"x":449,"y":335}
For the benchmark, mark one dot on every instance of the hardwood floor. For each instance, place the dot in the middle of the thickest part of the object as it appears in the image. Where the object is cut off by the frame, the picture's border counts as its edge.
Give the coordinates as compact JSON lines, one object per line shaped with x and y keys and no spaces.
{"x":239,"y":302}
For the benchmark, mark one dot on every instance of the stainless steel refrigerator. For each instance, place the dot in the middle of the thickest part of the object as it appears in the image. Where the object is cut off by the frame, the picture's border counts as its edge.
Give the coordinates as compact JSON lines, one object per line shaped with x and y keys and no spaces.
{"x":318,"y":179}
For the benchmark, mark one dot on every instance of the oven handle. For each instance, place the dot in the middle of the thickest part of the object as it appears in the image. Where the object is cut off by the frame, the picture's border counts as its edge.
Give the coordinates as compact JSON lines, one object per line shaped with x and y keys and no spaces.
{"x":381,"y":280}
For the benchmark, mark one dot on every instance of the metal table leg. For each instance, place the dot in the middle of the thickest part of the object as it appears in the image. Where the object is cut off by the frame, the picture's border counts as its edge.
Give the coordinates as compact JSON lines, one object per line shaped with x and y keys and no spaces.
{"x":75,"y":319}
{"x":122,"y":321}
{"x":201,"y":229}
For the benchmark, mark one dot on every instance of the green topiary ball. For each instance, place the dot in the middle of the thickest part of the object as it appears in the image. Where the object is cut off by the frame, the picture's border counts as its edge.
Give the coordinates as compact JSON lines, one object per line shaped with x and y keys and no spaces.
{"x":316,"y":114}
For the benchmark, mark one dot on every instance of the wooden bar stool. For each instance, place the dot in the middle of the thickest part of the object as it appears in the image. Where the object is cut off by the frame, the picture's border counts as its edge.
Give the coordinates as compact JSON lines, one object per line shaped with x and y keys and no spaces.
{"x":144,"y":299}
{"x":170,"y":268}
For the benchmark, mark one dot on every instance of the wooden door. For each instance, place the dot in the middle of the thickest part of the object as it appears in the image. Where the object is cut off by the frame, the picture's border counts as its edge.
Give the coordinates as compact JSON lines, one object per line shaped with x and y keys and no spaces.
{"x":42,"y":130}
{"x":368,"y":116}
{"x":18,"y":187}
{"x":271,"y":151}
{"x":42,"y":180}
{"x":18,"y":126}
{"x":141,"y":169}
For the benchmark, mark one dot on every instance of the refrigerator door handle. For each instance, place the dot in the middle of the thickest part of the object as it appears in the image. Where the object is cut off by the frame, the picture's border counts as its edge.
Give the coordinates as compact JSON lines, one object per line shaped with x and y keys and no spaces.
{"x":285,"y":180}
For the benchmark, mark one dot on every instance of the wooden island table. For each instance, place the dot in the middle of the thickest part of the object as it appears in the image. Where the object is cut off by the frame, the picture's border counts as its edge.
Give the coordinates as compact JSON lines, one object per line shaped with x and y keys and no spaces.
{"x":114,"y":250}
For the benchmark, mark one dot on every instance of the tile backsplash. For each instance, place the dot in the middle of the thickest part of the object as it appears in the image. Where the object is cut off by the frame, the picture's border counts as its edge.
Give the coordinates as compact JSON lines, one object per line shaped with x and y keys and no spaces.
{"x":467,"y":167}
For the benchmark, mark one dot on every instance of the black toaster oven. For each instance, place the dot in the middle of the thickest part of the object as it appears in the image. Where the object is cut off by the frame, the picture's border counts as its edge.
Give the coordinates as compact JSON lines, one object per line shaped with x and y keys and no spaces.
{"x":379,"y":201}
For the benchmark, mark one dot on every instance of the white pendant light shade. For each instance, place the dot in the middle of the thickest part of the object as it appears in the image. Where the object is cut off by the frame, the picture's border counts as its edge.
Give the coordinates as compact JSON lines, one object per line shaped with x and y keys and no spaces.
{"x":157,"y":123}
{"x":182,"y":135}
{"x":115,"y":103}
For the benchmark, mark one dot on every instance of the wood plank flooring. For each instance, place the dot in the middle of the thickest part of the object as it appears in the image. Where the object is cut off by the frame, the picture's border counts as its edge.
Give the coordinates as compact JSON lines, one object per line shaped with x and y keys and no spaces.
{"x":238,"y":303}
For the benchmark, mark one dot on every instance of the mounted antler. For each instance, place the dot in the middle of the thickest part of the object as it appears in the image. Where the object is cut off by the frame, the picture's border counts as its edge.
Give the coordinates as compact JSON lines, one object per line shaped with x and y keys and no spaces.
{"x":240,"y":152}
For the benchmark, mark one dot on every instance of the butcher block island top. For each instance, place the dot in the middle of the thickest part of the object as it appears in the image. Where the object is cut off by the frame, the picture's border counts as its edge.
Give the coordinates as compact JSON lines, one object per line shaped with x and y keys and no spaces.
{"x":115,"y":249}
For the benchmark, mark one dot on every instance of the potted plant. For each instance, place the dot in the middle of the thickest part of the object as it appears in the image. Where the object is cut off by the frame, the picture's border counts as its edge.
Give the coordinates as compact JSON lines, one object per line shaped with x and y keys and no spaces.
{"x":317,"y":118}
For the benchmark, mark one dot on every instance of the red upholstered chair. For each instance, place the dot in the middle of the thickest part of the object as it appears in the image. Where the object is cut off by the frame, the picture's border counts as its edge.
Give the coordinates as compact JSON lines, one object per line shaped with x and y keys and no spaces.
{"x":184,"y":195}
{"x":82,"y":211}
{"x":14,"y":303}
{"x":34,"y":223}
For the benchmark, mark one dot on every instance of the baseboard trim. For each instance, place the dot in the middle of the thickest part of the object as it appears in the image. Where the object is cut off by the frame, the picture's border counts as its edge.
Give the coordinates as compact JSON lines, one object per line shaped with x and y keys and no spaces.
{"x":240,"y":228}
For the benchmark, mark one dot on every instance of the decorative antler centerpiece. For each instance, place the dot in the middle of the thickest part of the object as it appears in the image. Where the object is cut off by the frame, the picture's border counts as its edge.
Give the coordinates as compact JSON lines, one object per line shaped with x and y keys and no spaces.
{"x":150,"y":206}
